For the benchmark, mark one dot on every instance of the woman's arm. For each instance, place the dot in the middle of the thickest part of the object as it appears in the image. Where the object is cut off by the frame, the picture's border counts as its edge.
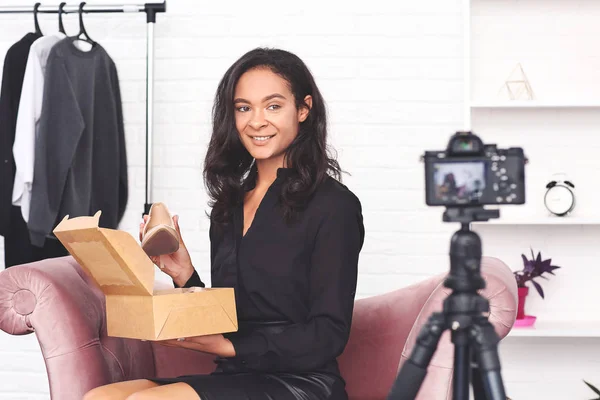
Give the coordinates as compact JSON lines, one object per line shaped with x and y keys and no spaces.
{"x":194,"y":280}
{"x":333,"y":279}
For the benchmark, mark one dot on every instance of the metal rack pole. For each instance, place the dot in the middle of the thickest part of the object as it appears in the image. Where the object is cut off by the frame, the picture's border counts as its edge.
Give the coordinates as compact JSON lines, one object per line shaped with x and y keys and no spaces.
{"x":151,"y":9}
{"x":150,"y":19}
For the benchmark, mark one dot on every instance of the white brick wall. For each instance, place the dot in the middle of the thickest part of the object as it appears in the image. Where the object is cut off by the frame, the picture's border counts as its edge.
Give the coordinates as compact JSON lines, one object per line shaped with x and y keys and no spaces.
{"x":392,"y":74}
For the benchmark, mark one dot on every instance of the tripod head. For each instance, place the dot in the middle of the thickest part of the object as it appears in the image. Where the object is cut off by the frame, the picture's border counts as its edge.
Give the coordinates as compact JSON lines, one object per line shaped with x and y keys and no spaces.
{"x":468,"y":214}
{"x":465,"y":248}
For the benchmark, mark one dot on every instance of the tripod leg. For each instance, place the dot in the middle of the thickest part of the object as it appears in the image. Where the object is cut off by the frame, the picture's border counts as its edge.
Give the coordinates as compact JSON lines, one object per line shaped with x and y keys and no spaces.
{"x":462,"y":365}
{"x":413,"y":372}
{"x":484,"y":342}
{"x":476,"y":381}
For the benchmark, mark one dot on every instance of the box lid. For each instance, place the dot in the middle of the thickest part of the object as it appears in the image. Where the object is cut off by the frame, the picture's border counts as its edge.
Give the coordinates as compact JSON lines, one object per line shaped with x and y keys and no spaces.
{"x":113,"y":258}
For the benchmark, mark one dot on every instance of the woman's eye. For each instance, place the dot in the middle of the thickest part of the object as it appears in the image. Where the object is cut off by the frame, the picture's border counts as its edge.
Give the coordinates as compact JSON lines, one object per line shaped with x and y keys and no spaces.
{"x":242,"y":108}
{"x":274,"y":106}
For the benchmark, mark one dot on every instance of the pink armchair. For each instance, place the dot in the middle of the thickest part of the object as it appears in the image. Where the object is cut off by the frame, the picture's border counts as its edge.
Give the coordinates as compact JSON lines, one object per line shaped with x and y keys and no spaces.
{"x":55,"y":299}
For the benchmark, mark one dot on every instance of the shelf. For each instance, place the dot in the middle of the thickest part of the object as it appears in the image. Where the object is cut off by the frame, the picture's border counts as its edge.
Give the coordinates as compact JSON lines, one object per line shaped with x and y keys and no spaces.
{"x":541,"y":220}
{"x":559,"y":329}
{"x":534,"y":104}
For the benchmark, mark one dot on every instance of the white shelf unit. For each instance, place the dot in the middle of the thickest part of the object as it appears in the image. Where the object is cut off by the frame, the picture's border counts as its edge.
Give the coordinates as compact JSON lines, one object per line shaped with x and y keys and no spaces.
{"x":565,"y":329}
{"x":540,"y":220}
{"x":557,"y":130}
{"x":508,"y":104}
{"x":554,"y":43}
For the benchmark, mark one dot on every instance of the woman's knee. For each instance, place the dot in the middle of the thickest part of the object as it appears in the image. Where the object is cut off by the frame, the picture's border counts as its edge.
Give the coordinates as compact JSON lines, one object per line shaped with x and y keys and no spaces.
{"x":98,"y":393}
{"x":142,"y":395}
{"x":119,"y":390}
{"x":179,"y":391}
{"x":145,"y":395}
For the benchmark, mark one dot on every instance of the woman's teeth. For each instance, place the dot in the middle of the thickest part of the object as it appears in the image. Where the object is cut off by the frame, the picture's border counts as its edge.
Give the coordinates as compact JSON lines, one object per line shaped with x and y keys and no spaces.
{"x":262,"y":138}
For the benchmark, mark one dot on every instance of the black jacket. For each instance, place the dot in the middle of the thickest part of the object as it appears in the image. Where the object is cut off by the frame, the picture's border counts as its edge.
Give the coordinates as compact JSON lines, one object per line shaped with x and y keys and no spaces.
{"x":10,"y":95}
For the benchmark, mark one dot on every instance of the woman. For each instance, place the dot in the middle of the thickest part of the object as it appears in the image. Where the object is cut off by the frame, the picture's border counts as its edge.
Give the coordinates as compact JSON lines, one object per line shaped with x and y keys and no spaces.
{"x":284,"y":233}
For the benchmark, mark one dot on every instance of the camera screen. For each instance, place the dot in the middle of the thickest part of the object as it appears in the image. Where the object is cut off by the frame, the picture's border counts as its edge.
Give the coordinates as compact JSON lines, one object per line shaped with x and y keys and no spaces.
{"x":459,"y":181}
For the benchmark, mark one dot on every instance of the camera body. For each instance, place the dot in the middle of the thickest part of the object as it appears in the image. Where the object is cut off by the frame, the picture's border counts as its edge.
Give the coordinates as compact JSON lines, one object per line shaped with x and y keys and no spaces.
{"x":469,"y":173}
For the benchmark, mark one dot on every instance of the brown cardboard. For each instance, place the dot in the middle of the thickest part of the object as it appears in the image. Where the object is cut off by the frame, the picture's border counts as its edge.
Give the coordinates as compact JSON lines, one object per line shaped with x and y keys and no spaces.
{"x":125,"y":274}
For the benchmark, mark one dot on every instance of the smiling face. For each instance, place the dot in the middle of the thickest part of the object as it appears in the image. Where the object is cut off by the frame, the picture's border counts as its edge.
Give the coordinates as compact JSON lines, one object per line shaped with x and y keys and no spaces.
{"x":266,"y":116}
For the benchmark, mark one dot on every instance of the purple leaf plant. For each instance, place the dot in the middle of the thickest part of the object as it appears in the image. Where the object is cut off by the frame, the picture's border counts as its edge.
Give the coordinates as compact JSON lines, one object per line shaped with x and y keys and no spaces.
{"x":534,"y":268}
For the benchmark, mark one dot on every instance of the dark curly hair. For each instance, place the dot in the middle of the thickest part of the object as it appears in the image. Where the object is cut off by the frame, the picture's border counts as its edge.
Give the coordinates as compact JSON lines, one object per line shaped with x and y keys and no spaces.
{"x":230,"y":170}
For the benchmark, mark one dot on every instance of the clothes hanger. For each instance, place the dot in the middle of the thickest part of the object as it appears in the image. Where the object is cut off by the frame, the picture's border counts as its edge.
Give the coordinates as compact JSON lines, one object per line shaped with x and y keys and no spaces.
{"x":61,"y":27}
{"x":82,"y":30}
{"x":35,"y":18}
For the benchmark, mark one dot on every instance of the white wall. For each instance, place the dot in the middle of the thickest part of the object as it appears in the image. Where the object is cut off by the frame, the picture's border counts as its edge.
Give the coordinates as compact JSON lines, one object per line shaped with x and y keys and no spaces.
{"x":393,"y":76}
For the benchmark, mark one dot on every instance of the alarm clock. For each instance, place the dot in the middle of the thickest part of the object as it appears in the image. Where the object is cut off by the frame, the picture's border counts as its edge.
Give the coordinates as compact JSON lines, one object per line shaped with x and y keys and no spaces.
{"x":560,"y":197}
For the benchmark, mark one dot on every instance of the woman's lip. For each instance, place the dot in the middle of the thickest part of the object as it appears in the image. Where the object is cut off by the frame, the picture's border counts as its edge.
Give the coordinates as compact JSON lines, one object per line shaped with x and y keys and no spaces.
{"x":262,"y":142}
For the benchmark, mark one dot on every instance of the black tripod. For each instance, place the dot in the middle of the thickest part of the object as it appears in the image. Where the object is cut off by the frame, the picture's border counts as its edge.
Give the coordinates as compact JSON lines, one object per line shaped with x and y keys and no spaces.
{"x":465,"y":315}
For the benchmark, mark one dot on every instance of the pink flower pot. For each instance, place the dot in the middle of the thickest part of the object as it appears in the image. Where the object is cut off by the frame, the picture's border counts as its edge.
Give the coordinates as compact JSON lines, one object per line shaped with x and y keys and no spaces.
{"x":523,"y":291}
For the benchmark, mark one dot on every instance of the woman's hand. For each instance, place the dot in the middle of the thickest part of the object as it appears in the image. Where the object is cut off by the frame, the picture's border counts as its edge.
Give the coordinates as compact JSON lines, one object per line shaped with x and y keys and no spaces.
{"x":213,"y":344}
{"x":177,"y":265}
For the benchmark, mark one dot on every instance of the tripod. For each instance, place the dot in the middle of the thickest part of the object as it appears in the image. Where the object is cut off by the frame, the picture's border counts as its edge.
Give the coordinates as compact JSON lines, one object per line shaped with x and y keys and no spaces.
{"x":474,"y":338}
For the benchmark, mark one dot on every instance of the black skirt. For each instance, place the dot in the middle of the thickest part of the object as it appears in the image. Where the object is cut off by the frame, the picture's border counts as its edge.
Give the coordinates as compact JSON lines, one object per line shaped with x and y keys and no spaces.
{"x":231,"y":382}
{"x":264,"y":386}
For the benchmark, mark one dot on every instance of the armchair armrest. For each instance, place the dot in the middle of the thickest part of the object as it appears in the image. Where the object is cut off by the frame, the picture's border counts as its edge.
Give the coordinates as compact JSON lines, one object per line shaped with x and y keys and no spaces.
{"x":381,"y":325}
{"x":56,"y":299}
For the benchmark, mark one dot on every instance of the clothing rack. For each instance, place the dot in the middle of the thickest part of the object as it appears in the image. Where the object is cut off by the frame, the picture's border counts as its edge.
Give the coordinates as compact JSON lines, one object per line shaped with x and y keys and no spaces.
{"x":151,"y":9}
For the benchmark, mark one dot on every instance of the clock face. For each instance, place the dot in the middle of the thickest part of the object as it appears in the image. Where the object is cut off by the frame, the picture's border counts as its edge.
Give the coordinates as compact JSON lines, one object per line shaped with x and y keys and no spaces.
{"x":559,"y":199}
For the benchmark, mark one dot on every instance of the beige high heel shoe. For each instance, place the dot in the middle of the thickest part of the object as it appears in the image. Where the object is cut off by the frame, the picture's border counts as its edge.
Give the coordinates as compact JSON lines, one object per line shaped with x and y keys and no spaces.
{"x":160,"y":236}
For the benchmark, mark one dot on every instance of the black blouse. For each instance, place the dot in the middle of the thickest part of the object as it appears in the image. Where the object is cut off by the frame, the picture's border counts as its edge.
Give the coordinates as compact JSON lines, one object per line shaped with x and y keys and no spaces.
{"x":304,"y":273}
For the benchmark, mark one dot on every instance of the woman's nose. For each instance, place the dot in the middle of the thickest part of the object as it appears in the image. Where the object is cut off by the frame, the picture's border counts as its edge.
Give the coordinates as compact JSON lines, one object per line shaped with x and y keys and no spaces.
{"x":258,"y":121}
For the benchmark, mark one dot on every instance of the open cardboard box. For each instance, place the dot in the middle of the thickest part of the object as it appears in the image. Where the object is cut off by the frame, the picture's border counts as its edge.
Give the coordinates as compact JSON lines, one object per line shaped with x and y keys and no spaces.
{"x":125,"y":274}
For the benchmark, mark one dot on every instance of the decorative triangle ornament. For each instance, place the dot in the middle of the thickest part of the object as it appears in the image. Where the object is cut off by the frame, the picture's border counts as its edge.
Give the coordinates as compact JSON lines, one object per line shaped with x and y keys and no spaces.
{"x":517,"y":86}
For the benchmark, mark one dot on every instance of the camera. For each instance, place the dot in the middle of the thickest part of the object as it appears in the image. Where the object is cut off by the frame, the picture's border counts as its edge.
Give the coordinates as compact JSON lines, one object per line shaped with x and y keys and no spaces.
{"x":471,"y":173}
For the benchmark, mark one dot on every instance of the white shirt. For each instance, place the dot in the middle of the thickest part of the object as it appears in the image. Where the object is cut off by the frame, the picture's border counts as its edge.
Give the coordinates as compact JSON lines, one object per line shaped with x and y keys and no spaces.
{"x":28,"y":115}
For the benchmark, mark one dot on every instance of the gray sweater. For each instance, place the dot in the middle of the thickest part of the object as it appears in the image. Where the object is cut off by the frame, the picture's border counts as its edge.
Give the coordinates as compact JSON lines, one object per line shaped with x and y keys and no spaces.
{"x":80,"y":157}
